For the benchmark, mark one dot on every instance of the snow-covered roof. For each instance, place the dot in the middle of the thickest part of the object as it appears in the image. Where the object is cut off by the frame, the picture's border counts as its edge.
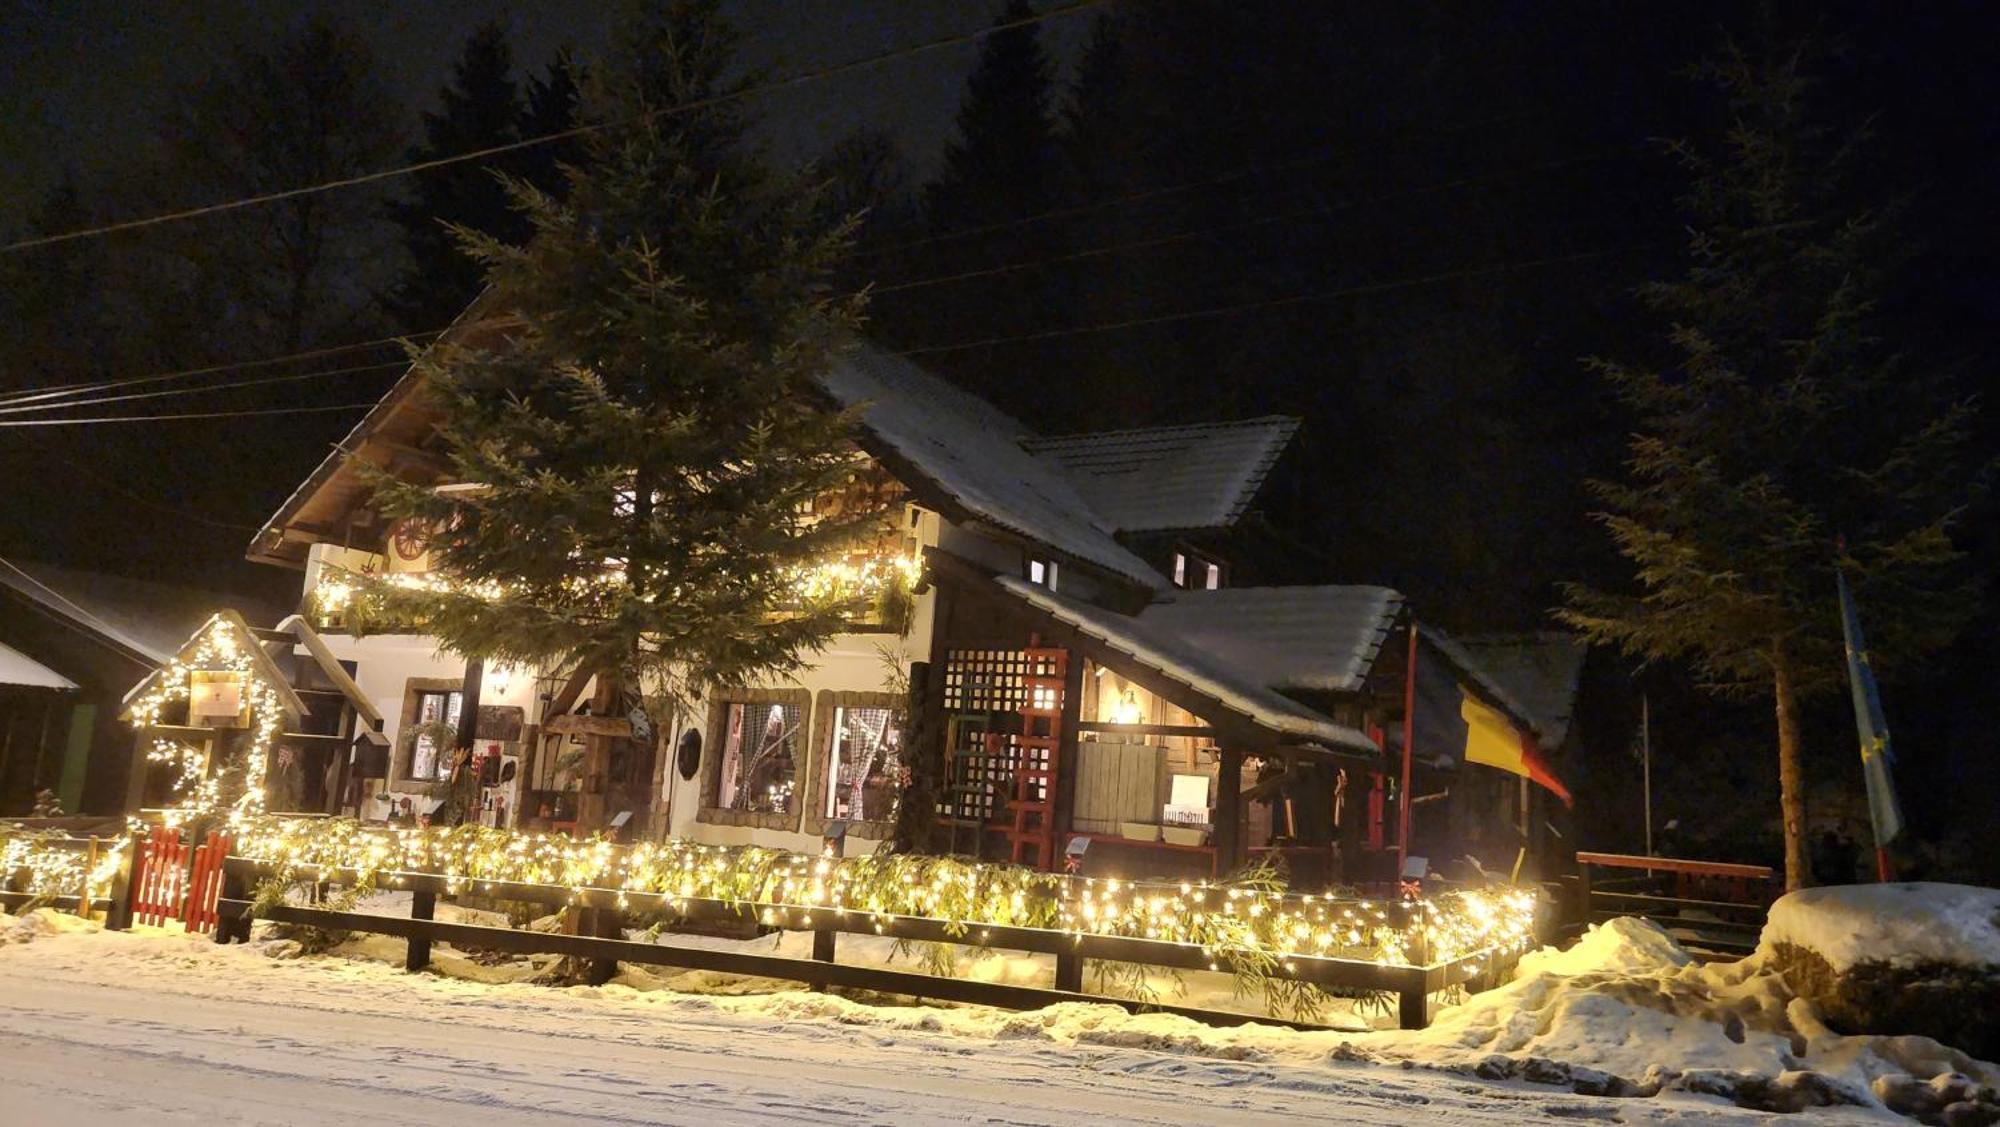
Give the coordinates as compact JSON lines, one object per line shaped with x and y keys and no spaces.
{"x":17,"y":668}
{"x":973,"y":452}
{"x":1192,"y":664}
{"x":1314,"y":638}
{"x":1482,"y":680}
{"x":1541,"y":670}
{"x":1180,"y":477}
{"x":147,"y":620}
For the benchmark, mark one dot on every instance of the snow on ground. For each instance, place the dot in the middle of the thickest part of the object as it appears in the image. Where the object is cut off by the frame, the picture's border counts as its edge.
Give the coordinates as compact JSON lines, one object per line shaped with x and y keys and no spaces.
{"x":1903,"y":924}
{"x":157,"y":1027}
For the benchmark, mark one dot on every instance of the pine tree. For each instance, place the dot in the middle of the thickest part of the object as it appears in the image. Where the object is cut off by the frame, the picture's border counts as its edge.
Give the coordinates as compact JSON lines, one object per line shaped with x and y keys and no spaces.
{"x":999,"y":167}
{"x":480,"y":108}
{"x":1785,"y":423}
{"x":649,"y":466}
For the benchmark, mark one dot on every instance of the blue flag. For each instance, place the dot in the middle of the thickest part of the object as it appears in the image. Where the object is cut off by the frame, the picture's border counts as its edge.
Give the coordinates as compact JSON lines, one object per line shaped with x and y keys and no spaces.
{"x":1875,"y":755}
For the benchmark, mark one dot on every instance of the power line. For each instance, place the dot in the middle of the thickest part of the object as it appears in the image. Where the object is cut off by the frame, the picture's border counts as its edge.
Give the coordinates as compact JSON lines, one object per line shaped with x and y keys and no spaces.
{"x":1150,"y":193}
{"x":561,"y":135}
{"x":1184,"y":236}
{"x":204,"y":389}
{"x":192,"y":415}
{"x":1244,"y":307}
{"x":149,"y":502}
{"x":30,"y":395}
{"x":7,"y":406}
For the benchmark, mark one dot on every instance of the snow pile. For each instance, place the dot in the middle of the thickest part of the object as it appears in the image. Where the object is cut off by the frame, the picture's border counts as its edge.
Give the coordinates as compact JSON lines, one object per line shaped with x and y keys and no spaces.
{"x":1900,"y":924}
{"x":42,"y":923}
{"x":1627,"y":1012}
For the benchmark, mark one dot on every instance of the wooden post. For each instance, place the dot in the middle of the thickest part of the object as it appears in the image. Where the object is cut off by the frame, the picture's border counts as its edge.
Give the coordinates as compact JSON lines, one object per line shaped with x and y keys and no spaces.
{"x":592,"y":798}
{"x":423,"y":906}
{"x":1413,"y":1006}
{"x":118,"y":917}
{"x":1069,"y":970}
{"x":89,"y":867}
{"x":603,"y":923}
{"x":823,"y":947}
{"x":1228,"y":812}
{"x":1409,"y":741}
{"x":233,"y":888}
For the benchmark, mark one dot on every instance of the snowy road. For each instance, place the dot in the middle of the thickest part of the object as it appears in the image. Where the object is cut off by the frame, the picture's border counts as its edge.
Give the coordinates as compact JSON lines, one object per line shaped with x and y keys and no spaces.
{"x":112,"y":1028}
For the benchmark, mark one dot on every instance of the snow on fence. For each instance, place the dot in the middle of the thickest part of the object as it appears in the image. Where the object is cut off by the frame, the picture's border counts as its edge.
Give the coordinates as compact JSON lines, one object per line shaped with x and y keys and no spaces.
{"x":54,"y":869}
{"x":1413,"y":950}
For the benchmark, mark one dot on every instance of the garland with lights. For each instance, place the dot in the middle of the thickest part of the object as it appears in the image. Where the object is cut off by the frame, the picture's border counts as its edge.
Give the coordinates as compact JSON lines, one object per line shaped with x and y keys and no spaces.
{"x":48,"y":863}
{"x":205,"y":790}
{"x":1246,"y":926}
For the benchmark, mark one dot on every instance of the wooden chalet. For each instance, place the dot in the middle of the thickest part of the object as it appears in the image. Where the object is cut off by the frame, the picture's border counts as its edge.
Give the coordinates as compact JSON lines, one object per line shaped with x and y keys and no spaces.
{"x":1078,"y":665}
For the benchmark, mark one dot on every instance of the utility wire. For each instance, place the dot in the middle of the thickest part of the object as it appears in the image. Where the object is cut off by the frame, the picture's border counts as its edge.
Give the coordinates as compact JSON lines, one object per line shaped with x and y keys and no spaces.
{"x":204,"y":389}
{"x":1020,"y":338}
{"x":192,"y":415}
{"x":1086,"y":208}
{"x":58,"y":391}
{"x":1273,"y":303}
{"x":10,"y":405}
{"x":1202,"y":233}
{"x":805,"y":78}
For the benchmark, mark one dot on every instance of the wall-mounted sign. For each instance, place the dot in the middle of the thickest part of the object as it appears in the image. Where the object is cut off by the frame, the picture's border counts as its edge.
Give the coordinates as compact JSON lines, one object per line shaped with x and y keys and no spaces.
{"x":216,"y":699}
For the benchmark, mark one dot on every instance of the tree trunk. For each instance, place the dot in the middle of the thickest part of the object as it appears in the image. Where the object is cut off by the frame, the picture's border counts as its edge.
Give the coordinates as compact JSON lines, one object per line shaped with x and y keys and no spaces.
{"x":590,"y":802}
{"x":1791,"y":778}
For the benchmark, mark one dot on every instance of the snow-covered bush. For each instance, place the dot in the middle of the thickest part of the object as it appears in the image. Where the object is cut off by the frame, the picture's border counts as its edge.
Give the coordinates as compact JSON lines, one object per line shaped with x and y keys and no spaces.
{"x":1895,"y":959}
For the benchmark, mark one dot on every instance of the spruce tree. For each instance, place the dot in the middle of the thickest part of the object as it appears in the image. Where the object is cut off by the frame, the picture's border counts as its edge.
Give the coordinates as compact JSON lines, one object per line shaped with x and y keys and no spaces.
{"x":645,"y":461}
{"x":1785,"y":422}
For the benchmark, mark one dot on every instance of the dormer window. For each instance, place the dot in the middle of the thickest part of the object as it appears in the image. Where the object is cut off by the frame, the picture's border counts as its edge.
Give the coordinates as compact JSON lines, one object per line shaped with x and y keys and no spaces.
{"x":1042,"y":572}
{"x":1195,"y":572}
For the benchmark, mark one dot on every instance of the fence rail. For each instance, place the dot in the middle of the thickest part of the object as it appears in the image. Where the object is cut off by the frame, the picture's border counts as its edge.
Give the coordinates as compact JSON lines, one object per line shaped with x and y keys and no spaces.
{"x":1714,"y":905}
{"x":1413,"y":986}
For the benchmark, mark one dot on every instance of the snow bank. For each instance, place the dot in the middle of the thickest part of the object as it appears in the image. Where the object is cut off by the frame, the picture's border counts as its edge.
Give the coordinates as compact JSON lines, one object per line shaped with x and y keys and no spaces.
{"x":1900,"y":924}
{"x":42,"y":923}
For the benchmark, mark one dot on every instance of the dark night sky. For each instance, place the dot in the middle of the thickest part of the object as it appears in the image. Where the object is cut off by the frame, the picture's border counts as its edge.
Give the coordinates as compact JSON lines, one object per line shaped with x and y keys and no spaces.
{"x":85,"y":78}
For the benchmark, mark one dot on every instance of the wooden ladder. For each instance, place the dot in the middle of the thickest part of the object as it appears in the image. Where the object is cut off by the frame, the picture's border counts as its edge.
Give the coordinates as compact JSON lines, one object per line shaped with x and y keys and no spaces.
{"x":1032,"y":838}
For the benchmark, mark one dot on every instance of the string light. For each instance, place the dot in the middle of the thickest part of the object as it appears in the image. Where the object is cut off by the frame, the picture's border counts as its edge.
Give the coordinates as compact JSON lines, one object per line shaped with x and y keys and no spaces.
{"x":1232,"y":923}
{"x":47,"y":863}
{"x":217,"y":650}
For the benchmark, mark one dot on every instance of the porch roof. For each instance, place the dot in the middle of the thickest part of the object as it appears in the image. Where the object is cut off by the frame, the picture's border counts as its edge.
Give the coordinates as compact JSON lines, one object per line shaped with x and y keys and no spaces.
{"x":1322,"y":639}
{"x":17,"y":668}
{"x":1158,"y":479}
{"x":1192,"y":664}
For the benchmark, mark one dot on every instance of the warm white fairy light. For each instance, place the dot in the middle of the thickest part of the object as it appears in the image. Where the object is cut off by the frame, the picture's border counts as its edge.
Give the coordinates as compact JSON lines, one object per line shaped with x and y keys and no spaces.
{"x":218,"y":650}
{"x":45,"y":863}
{"x":1230,"y":922}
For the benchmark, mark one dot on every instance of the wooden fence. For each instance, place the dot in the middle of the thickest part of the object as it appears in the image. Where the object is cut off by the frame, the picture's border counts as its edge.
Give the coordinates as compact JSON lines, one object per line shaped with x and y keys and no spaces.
{"x":82,"y":899}
{"x":1414,"y":987}
{"x":1711,"y":905}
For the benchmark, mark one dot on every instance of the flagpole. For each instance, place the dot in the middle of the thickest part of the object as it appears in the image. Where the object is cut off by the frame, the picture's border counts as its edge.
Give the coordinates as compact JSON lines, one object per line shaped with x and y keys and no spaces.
{"x":1409,"y":736}
{"x":1646,"y":758}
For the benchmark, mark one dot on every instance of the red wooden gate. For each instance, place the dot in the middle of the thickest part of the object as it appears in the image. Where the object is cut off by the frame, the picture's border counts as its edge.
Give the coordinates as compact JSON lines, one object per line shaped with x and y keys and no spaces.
{"x":165,"y":889}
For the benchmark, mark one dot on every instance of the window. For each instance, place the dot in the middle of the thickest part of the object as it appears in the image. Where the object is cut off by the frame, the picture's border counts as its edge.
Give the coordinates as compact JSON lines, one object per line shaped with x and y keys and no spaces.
{"x":861,"y":764}
{"x":760,"y":757}
{"x":427,"y":750}
{"x":1196,"y":572}
{"x":1042,"y":572}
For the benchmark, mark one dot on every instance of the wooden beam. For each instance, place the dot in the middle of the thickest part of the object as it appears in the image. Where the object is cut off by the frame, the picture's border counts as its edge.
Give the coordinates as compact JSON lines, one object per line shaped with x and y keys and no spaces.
{"x":1108,"y":728}
{"x":1229,"y":812}
{"x":615,"y":727}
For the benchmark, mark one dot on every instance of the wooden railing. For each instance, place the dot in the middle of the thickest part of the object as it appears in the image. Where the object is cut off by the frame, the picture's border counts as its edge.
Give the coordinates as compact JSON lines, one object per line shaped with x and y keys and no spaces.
{"x":1415,"y":987}
{"x":1710,"y":905}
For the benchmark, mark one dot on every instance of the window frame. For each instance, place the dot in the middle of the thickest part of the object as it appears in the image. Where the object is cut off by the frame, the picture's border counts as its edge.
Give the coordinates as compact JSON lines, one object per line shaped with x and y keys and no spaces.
{"x":716,"y":747}
{"x":828,"y":705}
{"x":1187,"y":562}
{"x":415,"y":689}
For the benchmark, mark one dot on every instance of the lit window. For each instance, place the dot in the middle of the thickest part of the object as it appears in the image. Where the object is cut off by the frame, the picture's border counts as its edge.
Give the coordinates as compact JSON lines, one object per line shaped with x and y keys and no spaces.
{"x":1192,"y":570}
{"x":759,"y":758}
{"x":860,"y":768}
{"x":1042,"y":573}
{"x":426,"y":758}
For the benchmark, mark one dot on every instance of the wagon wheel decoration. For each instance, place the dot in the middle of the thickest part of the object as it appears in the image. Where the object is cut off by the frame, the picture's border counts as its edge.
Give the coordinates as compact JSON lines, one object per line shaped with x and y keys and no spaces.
{"x":411,"y":539}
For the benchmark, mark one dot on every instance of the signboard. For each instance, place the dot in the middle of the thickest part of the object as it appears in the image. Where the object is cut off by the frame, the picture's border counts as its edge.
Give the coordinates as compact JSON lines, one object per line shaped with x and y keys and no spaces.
{"x":217,"y":699}
{"x":500,"y":722}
